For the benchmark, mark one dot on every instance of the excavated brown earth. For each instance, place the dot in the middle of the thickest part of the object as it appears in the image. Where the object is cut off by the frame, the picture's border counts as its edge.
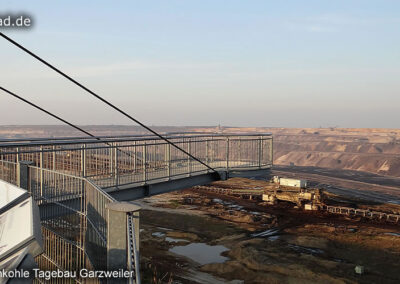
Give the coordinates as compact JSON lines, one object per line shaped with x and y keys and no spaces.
{"x":368,"y":150}
{"x":308,"y":247}
{"x":361,"y":150}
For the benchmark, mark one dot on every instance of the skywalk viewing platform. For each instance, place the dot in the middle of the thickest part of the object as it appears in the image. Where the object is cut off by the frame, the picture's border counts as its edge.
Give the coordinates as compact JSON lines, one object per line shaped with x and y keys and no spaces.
{"x":79,"y":184}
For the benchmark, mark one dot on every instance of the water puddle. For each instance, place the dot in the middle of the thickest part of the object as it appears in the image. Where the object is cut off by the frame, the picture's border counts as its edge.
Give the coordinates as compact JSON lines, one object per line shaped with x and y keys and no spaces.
{"x":175,"y":240}
{"x":267,"y":233}
{"x":306,"y":250}
{"x":273,"y":238}
{"x":217,"y":200}
{"x":158,"y":234}
{"x":339,"y":260}
{"x":164,"y":229}
{"x":392,"y":234}
{"x":202,"y":253}
{"x":230,"y":205}
{"x":235,"y":206}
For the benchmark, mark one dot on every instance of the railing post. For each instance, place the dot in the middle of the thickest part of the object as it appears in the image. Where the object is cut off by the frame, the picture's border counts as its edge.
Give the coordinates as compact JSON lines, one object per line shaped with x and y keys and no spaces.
{"x":120,"y":247}
{"x":240,"y":151}
{"x":271,"y":147}
{"x":54,"y":158}
{"x":144,"y":163}
{"x":96,"y":159}
{"x":111,"y":160}
{"x":207,"y":150}
{"x":189,"y":161}
{"x":169,"y":160}
{"x":41,"y":171}
{"x":23,"y":175}
{"x":259,"y":151}
{"x":83,"y":160}
{"x":227,"y":154}
{"x":135,"y":157}
{"x":116,"y":164}
{"x":83,"y":165}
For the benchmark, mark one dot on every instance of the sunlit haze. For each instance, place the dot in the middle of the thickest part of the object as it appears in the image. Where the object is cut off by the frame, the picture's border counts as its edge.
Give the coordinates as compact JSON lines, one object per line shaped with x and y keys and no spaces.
{"x":234,"y":63}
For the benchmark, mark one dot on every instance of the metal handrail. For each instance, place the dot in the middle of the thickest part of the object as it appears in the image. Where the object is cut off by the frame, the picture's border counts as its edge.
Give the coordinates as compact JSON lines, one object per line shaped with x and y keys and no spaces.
{"x":90,"y":140}
{"x":150,"y":159}
{"x":160,"y":142}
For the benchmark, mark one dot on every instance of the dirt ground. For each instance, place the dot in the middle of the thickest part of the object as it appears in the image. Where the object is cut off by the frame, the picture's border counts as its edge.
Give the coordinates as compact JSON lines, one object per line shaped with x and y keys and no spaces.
{"x":265,"y":244}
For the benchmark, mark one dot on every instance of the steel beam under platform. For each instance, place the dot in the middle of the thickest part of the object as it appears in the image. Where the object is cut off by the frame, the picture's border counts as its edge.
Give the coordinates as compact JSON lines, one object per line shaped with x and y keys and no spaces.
{"x":129,"y":192}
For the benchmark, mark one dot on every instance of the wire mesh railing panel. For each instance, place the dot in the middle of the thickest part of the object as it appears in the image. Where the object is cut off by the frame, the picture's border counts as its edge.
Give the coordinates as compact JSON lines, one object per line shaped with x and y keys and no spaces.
{"x":71,"y":226}
{"x":9,"y":154}
{"x":125,"y":161}
{"x":198,"y":148}
{"x":98,"y":161}
{"x":179,"y":161}
{"x":49,"y":186}
{"x":267,"y":155}
{"x":75,"y":210}
{"x":62,"y":254}
{"x":8,"y":171}
{"x":245,"y":153}
{"x":151,"y":159}
{"x":218,"y":152}
{"x":154,"y":161}
{"x":95,"y":207}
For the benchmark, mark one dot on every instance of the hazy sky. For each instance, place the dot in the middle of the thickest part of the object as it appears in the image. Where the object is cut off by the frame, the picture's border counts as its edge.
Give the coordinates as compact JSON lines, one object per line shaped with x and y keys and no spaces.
{"x":243,"y":63}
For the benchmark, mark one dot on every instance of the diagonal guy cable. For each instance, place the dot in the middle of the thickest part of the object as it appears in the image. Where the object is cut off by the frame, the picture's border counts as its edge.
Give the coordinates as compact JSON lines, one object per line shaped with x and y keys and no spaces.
{"x":59,"y":118}
{"x":104,"y":100}
{"x":65,"y":121}
{"x":49,"y":113}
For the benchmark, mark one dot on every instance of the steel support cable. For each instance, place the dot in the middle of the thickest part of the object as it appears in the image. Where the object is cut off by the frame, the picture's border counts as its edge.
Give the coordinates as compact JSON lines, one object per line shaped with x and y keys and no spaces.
{"x":104,"y":100}
{"x":59,"y":118}
{"x":47,"y":112}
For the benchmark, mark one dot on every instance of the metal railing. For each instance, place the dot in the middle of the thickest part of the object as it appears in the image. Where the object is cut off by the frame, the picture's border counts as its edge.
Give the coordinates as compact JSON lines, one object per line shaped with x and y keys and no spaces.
{"x":8,"y":171}
{"x":141,"y":159}
{"x":74,"y":219}
{"x":68,"y":176}
{"x":75,"y":209}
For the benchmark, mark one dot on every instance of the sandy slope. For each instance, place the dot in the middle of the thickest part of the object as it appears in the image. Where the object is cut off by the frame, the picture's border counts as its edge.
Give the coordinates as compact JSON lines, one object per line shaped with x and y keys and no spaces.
{"x":368,"y":150}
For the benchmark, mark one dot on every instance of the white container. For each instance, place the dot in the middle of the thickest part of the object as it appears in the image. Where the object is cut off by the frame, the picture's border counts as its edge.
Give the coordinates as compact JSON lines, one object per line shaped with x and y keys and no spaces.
{"x":269,"y":198}
{"x":300,"y":183}
{"x":306,"y":195}
{"x":359,"y":269}
{"x":310,"y":206}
